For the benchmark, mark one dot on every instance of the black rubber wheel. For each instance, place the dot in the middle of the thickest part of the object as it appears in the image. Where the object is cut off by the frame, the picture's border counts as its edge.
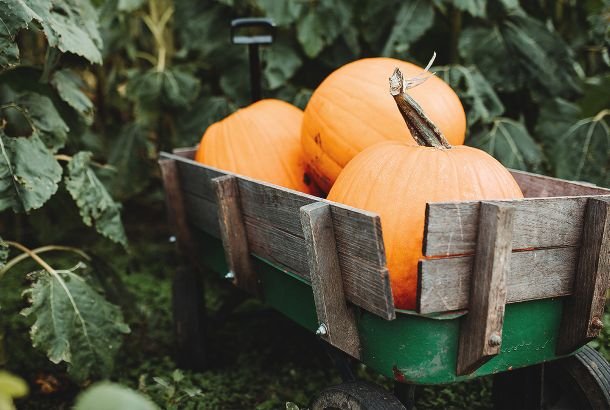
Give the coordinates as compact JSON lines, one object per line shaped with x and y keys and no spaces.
{"x":356,"y":396}
{"x":580,"y":381}
{"x":189,"y":319}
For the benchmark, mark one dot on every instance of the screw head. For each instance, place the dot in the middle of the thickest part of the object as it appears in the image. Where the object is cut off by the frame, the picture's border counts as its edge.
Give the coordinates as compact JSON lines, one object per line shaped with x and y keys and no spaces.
{"x":171,"y":239}
{"x":230,"y":275}
{"x":322,"y":330}
{"x":597,"y":324}
{"x":495,"y":340}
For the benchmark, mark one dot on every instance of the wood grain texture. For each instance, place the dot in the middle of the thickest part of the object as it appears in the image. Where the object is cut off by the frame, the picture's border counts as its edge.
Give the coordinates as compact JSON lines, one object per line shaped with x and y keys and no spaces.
{"x":233,"y":234}
{"x":537,"y":274}
{"x":325,"y":273}
{"x":188,"y":153}
{"x":481,"y":327}
{"x":583,"y":311}
{"x":451,"y":227}
{"x":538,"y":186}
{"x":176,"y":209}
{"x":272,"y":222}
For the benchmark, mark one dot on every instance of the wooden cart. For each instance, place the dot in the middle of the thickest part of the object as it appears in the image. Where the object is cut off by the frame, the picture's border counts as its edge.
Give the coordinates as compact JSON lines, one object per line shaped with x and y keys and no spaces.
{"x":504,"y":286}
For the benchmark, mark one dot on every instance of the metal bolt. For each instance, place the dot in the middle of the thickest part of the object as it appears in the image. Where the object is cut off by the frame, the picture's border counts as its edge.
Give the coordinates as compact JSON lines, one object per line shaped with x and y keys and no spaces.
{"x":230,"y":275}
{"x":322,"y":330}
{"x":597,"y":324}
{"x":495,"y":340}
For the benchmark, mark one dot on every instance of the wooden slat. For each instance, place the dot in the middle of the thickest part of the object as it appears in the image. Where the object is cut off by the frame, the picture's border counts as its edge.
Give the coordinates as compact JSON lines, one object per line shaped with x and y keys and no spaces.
{"x":202,"y":213}
{"x":537,"y":186}
{"x":188,"y":153}
{"x":274,"y":232}
{"x":233,"y":234}
{"x":451,"y":227}
{"x":175,"y":209}
{"x":583,"y":311}
{"x":538,"y":274}
{"x":481,"y":328}
{"x":336,"y":319}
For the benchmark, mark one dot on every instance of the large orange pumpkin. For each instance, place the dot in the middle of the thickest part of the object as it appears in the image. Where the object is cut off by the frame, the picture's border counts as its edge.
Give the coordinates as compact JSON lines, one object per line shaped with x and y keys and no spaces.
{"x":396,"y":180}
{"x":350,"y":111}
{"x":260,"y":141}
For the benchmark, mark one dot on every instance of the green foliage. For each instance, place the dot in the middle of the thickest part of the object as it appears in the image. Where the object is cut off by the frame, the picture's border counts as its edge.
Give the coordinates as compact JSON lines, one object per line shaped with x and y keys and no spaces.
{"x":74,"y":323}
{"x":95,"y":204}
{"x":11,"y":387}
{"x":29,"y":173}
{"x":112,"y":396}
{"x":70,"y":86}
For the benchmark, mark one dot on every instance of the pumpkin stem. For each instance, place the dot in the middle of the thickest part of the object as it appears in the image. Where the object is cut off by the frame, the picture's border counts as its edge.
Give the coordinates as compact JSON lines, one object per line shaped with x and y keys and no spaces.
{"x":423,"y":131}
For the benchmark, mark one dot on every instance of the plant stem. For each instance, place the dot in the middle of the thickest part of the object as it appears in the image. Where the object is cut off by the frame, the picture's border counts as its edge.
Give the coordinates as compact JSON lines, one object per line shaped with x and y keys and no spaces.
{"x":423,"y":131}
{"x":601,"y":114}
{"x":33,"y":255}
{"x":42,"y":249}
{"x":456,"y":28}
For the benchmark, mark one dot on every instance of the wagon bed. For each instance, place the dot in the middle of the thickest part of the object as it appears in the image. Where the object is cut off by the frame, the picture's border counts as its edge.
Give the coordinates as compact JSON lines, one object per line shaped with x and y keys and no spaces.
{"x":544,"y":261}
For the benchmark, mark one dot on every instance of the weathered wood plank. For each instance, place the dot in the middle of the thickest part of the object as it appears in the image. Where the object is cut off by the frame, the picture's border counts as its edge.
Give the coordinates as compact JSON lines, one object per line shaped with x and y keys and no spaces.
{"x":481,"y":328}
{"x":583,"y":311}
{"x":233,"y":234}
{"x":336,"y":319}
{"x":271,"y":217}
{"x":277,"y":246}
{"x":451,"y":227}
{"x":202,"y":214}
{"x":538,"y":274}
{"x":176,"y":209}
{"x":188,"y":153}
{"x":538,"y":186}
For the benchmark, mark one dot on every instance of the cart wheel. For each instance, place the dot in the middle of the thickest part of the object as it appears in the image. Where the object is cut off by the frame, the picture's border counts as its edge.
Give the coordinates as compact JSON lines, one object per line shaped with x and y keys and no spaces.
{"x":189,"y":319}
{"x":356,"y":396}
{"x":581,"y":381}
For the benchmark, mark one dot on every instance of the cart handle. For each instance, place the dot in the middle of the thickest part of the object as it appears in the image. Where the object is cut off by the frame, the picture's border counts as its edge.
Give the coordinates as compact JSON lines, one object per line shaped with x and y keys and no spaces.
{"x":266,"y":26}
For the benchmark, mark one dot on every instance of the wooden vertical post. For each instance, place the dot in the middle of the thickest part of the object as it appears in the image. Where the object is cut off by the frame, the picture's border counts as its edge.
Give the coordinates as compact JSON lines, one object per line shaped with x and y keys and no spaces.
{"x":481,"y":328}
{"x":583,"y":311}
{"x":175,"y":210}
{"x":234,"y":235}
{"x":336,"y":320}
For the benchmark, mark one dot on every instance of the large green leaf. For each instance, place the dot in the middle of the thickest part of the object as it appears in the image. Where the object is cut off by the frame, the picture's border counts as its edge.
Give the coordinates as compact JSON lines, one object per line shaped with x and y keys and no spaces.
{"x":583,"y":151}
{"x":510,"y":143}
{"x":282,"y":12}
{"x":486,"y":48}
{"x":72,"y":27}
{"x":131,"y":159}
{"x":29,"y":173}
{"x":518,"y":51}
{"x":69,"y":87}
{"x":481,"y":101}
{"x":112,"y":396}
{"x":556,"y":116}
{"x":205,"y":111}
{"x":45,"y":119}
{"x":412,"y":21}
{"x":95,"y":204}
{"x":322,"y":24}
{"x":74,"y":323}
{"x":281,"y":62}
{"x":173,"y":88}
{"x":202,"y":26}
{"x":14,"y":15}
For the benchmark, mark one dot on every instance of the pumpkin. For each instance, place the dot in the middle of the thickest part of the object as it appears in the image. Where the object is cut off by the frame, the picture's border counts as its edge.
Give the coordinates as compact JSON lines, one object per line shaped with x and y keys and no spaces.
{"x":261,"y":141}
{"x":396,"y":180}
{"x":350,"y":111}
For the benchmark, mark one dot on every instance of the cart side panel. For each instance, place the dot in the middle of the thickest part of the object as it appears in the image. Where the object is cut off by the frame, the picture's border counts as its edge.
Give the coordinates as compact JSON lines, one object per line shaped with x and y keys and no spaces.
{"x":538,"y":186}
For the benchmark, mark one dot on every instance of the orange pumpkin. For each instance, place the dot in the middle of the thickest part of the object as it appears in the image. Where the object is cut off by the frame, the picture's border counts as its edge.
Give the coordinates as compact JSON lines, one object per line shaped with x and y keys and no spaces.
{"x":350,"y":111}
{"x":261,"y":141}
{"x":396,"y":180}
